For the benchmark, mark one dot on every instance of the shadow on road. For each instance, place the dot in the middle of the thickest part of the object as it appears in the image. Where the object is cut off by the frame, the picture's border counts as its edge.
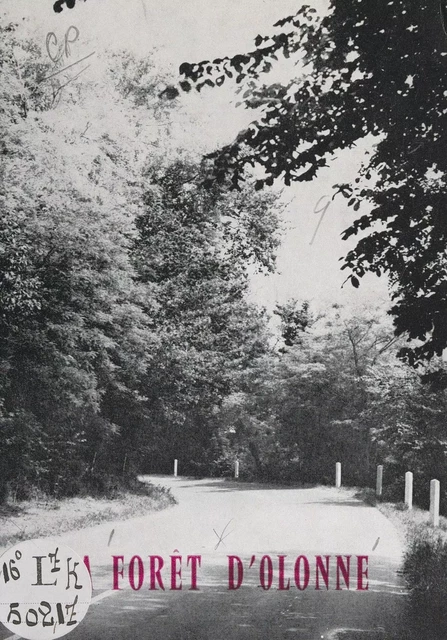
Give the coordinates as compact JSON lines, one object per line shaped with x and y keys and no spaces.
{"x":220,"y":485}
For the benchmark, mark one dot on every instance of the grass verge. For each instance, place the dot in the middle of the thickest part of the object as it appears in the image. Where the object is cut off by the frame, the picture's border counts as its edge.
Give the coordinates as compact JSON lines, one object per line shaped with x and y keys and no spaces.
{"x":424,"y":566}
{"x":44,"y":517}
{"x":407,"y":522}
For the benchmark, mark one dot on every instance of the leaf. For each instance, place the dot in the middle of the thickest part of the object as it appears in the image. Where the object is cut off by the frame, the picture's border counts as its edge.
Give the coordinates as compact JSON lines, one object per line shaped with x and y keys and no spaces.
{"x":186,"y":86}
{"x":185,"y":69}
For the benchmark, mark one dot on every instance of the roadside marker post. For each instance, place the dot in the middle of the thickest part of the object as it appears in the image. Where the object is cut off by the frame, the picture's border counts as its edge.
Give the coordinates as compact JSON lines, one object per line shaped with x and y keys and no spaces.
{"x":435,"y":492}
{"x":409,"y":489}
{"x":338,"y":475}
{"x":236,"y":470}
{"x":175,"y":467}
{"x":379,"y":480}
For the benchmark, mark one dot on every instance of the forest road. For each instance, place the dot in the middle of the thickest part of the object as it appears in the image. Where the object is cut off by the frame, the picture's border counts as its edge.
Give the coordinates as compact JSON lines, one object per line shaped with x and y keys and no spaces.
{"x":265,"y":527}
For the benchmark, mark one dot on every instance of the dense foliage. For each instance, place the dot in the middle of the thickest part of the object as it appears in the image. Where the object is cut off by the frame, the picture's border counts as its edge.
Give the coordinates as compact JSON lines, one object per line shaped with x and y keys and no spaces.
{"x":425,"y":571}
{"x":364,"y":69}
{"x":337,"y":392}
{"x":124,"y":321}
{"x":126,"y":335}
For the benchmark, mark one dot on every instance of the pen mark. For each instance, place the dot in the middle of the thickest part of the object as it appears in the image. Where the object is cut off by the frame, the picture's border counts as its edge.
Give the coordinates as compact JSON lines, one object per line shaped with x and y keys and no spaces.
{"x":144,"y":9}
{"x":376,"y":543}
{"x":83,"y":136}
{"x":323,"y":212}
{"x":52,"y":41}
{"x":67,"y":67}
{"x":110,"y":537}
{"x":222,"y":536}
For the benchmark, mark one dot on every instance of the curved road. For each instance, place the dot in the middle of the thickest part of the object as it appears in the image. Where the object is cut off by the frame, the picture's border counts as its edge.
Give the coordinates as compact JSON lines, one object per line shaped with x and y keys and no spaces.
{"x":215,"y":519}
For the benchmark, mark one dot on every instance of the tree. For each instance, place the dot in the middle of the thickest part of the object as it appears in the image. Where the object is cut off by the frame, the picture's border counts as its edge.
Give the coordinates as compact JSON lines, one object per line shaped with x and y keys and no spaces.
{"x":306,"y":407}
{"x":293,"y":320}
{"x":407,"y":422}
{"x":124,"y":321}
{"x":364,"y":69}
{"x":73,"y":329}
{"x":194,"y":247}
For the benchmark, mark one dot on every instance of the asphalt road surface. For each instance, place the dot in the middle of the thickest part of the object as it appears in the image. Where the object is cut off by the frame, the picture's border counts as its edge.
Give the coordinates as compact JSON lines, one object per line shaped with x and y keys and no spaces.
{"x":274,"y":595}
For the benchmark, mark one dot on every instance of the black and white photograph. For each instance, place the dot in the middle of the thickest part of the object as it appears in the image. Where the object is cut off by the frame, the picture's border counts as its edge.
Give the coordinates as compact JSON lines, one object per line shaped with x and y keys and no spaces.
{"x":223,"y":319}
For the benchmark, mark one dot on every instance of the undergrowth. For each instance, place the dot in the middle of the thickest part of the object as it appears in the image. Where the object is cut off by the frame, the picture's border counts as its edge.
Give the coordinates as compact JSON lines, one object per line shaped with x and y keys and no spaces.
{"x":43,"y":516}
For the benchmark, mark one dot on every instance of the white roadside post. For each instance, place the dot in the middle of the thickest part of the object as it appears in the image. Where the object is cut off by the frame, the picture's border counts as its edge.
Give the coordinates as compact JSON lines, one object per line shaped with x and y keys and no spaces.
{"x":236,"y":469}
{"x":379,"y":480}
{"x":175,"y":467}
{"x":338,"y":475}
{"x":435,"y":493}
{"x":409,"y":489}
